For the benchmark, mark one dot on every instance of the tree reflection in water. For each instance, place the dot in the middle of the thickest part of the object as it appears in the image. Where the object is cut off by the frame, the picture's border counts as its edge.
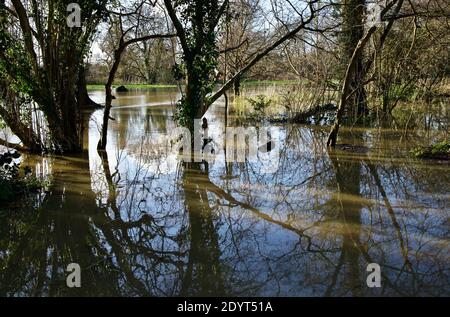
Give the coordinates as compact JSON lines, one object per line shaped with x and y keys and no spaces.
{"x":140,"y":228}
{"x":203,"y":274}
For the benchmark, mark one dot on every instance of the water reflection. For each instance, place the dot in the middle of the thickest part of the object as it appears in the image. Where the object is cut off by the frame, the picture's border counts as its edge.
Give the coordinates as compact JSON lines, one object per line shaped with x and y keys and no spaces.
{"x":143,"y":223}
{"x":203,"y":274}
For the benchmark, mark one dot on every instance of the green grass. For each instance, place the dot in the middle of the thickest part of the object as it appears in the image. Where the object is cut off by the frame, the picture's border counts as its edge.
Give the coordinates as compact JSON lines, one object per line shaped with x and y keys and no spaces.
{"x":132,"y":86}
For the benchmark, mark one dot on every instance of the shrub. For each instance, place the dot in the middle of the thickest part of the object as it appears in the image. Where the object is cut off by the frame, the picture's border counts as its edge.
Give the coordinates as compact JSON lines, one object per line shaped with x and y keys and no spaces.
{"x":439,"y":150}
{"x":260,"y":103}
{"x":12,"y":185}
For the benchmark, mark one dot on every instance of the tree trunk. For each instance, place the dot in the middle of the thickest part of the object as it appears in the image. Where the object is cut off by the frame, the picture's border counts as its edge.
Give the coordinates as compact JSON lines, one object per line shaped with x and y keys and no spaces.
{"x":352,"y":67}
{"x":346,"y":91}
{"x":353,"y":14}
{"x":237,"y":86}
{"x":65,"y":124}
{"x":108,"y":104}
{"x":65,"y":131}
{"x":9,"y":112}
{"x":195,"y":100}
{"x":84,"y":101}
{"x":108,"y":91}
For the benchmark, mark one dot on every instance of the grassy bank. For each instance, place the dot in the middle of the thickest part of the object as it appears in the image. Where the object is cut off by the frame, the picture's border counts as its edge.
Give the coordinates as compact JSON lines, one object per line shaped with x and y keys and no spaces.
{"x":279,"y":101}
{"x":131,"y":86}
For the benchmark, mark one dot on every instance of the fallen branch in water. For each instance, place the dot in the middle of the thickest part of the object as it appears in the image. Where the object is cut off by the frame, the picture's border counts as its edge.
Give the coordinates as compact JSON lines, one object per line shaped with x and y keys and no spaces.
{"x":302,"y":117}
{"x":13,"y":145}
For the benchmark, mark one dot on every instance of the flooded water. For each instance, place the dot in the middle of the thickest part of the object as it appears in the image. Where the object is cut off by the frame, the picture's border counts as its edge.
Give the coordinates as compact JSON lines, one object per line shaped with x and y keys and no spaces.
{"x":141,"y":222}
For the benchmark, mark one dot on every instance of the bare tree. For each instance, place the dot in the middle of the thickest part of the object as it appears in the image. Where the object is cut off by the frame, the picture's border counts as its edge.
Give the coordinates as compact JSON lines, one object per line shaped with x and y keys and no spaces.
{"x":125,"y":40}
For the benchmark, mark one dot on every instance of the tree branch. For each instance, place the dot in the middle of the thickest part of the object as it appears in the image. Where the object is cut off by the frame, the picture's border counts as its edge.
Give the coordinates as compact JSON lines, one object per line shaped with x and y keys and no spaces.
{"x":177,"y":24}
{"x":27,"y":31}
{"x":259,"y":56}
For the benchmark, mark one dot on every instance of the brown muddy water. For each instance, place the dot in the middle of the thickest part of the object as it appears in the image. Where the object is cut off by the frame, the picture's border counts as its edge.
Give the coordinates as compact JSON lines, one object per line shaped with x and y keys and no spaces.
{"x":140,"y":222}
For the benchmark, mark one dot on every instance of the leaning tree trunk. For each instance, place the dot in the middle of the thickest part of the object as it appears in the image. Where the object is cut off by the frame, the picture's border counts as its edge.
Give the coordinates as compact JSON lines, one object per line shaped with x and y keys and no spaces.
{"x":65,"y":129}
{"x":25,"y":133}
{"x":347,"y":86}
{"x":352,"y":67}
{"x":108,"y":91}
